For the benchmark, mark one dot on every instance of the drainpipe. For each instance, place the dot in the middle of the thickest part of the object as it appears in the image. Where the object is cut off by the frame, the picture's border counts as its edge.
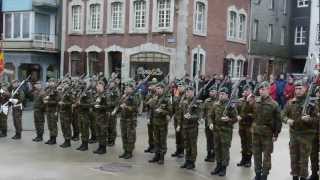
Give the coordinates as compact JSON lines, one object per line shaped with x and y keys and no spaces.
{"x":63,"y":35}
{"x":249,"y":40}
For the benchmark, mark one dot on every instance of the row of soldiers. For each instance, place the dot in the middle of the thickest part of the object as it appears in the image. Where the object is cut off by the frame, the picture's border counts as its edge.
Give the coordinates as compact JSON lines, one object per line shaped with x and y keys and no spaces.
{"x":92,"y":107}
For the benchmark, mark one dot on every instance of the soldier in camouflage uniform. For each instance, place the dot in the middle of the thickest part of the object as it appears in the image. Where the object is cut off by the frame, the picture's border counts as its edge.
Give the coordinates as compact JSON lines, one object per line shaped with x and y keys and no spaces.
{"x":92,"y":120}
{"x":4,"y":97}
{"x":246,"y":111}
{"x":16,"y":103}
{"x":38,"y":111}
{"x":191,"y":115}
{"x":302,"y":132}
{"x":99,"y":109}
{"x":161,"y":110}
{"x":222,"y":119}
{"x":113,"y":94}
{"x":65,"y":109}
{"x":128,"y":120}
{"x":209,"y":102}
{"x":266,"y":128}
{"x":51,"y":103}
{"x":316,"y":141}
{"x":151,"y":94}
{"x":177,"y":96}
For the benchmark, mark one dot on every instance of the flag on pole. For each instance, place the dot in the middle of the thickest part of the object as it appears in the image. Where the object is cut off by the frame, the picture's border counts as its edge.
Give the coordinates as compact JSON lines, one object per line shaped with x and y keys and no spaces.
{"x":1,"y":61}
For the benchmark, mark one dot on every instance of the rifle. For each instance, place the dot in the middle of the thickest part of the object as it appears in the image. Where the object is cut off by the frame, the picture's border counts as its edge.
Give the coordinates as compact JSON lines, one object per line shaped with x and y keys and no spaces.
{"x":308,"y":99}
{"x":232,"y":97}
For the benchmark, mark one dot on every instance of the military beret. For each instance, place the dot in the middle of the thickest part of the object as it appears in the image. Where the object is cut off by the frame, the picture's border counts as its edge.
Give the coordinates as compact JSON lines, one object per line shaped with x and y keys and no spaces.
{"x":224,"y":90}
{"x":51,"y":80}
{"x":299,"y":83}
{"x":264,"y":84}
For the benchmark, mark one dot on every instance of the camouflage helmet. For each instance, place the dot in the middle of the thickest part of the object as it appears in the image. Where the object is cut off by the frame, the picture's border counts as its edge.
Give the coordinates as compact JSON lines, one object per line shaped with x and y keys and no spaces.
{"x":52,"y":80}
{"x":247,"y":87}
{"x":224,"y":90}
{"x":130,"y":83}
{"x":154,"y":81}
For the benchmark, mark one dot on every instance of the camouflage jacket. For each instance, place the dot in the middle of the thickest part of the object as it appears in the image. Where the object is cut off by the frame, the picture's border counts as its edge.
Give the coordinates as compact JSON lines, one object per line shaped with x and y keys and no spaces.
{"x":194,"y":110}
{"x":216,"y":114}
{"x":206,"y":106}
{"x":246,"y":112}
{"x":100,"y":103}
{"x":267,"y":117}
{"x":131,"y":107}
{"x":20,"y":97}
{"x":65,"y":103}
{"x":52,"y":98}
{"x":38,"y":96}
{"x":293,"y":111}
{"x":161,"y":109}
{"x":112,"y":98}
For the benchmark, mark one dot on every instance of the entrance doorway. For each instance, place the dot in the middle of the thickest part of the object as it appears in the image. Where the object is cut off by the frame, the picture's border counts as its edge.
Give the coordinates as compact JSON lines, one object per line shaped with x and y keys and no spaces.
{"x":30,"y":69}
{"x":115,"y":61}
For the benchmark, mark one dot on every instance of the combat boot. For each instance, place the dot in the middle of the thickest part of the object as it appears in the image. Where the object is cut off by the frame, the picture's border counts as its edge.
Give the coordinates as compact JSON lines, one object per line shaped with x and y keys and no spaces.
{"x":258,"y":176}
{"x":185,"y":164}
{"x":39,"y":138}
{"x":191,"y":165}
{"x":314,"y":176}
{"x":128,"y":156}
{"x":83,"y":146}
{"x":217,"y":169}
{"x":161,"y":159}
{"x":264,"y":177}
{"x":92,"y":140}
{"x":223,"y":171}
{"x":123,"y":155}
{"x":51,"y":141}
{"x":16,"y":136}
{"x":210,"y":157}
{"x":242,"y":162}
{"x":101,"y":150}
{"x":295,"y":178}
{"x":302,"y":178}
{"x":156,"y":158}
{"x":180,"y":153}
{"x":247,"y":163}
{"x":66,"y":144}
{"x":149,"y":149}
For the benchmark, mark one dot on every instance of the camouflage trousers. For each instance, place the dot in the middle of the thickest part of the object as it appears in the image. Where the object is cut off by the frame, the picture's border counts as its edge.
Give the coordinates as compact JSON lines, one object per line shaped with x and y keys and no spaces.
{"x":17,"y":119}
{"x":300,"y":150}
{"x":210,"y":139}
{"x":245,"y":134}
{"x":39,"y":121}
{"x":65,"y":120}
{"x":112,"y":129}
{"x":128,"y":134}
{"x":92,"y":124}
{"x":84,"y":126}
{"x":160,"y":138}
{"x":223,"y":139}
{"x":102,"y":118}
{"x":178,"y":135}
{"x":75,"y":122}
{"x":190,"y":138}
{"x":151,"y":132}
{"x":52,"y":121}
{"x":315,"y":153}
{"x":3,"y":122}
{"x":262,"y":150}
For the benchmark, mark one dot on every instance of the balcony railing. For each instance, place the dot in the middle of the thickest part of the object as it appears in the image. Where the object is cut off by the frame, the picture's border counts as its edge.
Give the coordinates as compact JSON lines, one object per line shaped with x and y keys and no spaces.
{"x":44,"y":41}
{"x":45,"y":3}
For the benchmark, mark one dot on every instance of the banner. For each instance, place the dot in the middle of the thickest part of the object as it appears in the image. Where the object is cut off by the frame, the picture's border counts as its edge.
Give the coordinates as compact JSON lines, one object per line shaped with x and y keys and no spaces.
{"x":1,"y":61}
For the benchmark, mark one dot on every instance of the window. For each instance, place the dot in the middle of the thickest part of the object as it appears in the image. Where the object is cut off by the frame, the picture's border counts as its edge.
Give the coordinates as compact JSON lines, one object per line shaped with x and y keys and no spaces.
{"x":318,"y":34}
{"x":242,"y":27}
{"x":200,"y":18}
{"x":233,"y":24}
{"x":283,"y":36}
{"x":75,"y":62}
{"x":17,"y":25}
{"x":235,"y":67}
{"x":271,"y":4}
{"x":300,"y":35}
{"x":284,"y":10}
{"x":255,"y":29}
{"x":302,"y":3}
{"x":198,"y":62}
{"x":116,"y":15}
{"x":239,"y":68}
{"x":94,"y":16}
{"x":76,"y":15}
{"x":164,"y":11}
{"x":93,"y":63}
{"x":231,"y":65}
{"x":270,"y":33}
{"x":140,"y":9}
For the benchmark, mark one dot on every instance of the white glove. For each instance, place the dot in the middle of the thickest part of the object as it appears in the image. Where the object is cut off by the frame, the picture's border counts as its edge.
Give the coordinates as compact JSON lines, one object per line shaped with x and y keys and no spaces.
{"x":113,"y":113}
{"x":306,"y":118}
{"x":290,"y":122}
{"x":225,"y":119}
{"x":5,"y":110}
{"x":211,"y":126}
{"x":97,"y":106}
{"x":178,"y":129}
{"x":239,"y":118}
{"x":1,"y":91}
{"x":187,"y":116}
{"x":13,"y":101}
{"x":202,"y":121}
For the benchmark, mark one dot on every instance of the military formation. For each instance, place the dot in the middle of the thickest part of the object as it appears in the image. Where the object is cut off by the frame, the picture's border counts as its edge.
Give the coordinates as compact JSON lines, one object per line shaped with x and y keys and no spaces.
{"x":88,"y":109}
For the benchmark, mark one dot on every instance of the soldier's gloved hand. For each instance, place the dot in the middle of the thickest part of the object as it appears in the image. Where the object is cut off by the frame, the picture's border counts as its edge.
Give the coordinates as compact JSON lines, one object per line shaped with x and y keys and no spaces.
{"x":239,"y":118}
{"x":61,"y":103}
{"x":123,"y":106}
{"x":306,"y":118}
{"x":56,"y":113}
{"x":202,"y":121}
{"x":97,"y":106}
{"x":274,"y":139}
{"x":45,"y":101}
{"x":211,"y":126}
{"x":13,"y":101}
{"x":158,"y":110}
{"x":178,"y":129}
{"x":225,"y":118}
{"x":187,"y":116}
{"x":290,"y":122}
{"x":1,"y":91}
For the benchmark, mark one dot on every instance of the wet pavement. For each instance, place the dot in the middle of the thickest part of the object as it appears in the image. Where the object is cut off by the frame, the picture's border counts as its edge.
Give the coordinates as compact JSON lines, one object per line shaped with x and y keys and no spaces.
{"x":25,"y":160}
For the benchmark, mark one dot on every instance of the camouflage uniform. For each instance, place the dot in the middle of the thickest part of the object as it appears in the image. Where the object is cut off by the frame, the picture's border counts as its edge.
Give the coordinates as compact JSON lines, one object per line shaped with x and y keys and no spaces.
{"x":92,"y":119}
{"x":75,"y":124}
{"x":128,"y":124}
{"x":112,"y":99}
{"x":161,"y":110}
{"x":302,"y":134}
{"x":150,"y":123}
{"x":190,"y":131}
{"x":315,"y":145}
{"x":17,"y":113}
{"x":266,"y":126}
{"x":52,"y":115}
{"x":38,"y":113}
{"x":222,"y":133}
{"x":177,"y":122}
{"x":101,"y":117}
{"x":4,"y":97}
{"x":65,"y":106}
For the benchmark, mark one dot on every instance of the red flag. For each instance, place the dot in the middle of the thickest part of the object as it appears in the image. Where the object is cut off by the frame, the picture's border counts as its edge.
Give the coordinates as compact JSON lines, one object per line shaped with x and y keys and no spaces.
{"x":1,"y":61}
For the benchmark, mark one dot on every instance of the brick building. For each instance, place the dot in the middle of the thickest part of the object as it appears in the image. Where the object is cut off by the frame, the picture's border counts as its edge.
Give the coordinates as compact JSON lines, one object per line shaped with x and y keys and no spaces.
{"x":133,"y":36}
